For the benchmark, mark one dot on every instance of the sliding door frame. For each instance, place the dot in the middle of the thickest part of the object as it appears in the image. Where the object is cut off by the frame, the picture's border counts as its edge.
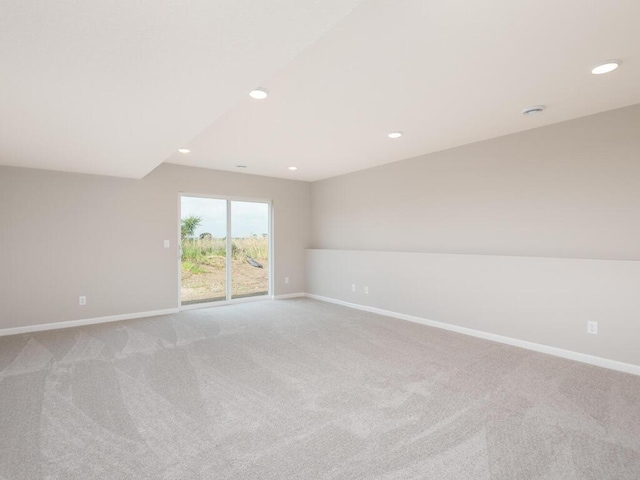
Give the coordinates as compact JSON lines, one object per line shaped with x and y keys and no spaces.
{"x":228,"y":261}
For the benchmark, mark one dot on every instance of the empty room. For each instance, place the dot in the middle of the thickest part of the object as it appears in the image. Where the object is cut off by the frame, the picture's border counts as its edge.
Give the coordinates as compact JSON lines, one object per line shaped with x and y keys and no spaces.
{"x":320,"y":239}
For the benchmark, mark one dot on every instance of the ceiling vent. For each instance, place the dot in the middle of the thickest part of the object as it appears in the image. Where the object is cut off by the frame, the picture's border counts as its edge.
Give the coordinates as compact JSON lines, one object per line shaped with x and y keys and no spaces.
{"x":535,"y":110}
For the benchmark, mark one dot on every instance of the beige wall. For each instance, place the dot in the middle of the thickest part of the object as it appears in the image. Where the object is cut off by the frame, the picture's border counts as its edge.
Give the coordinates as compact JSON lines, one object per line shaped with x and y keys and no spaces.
{"x":65,"y":235}
{"x":570,"y":190}
{"x":567,"y":190}
{"x":546,"y":301}
{"x":461,"y":236}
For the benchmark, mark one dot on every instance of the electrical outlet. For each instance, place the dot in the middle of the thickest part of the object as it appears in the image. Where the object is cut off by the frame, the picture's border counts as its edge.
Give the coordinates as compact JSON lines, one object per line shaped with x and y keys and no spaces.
{"x":286,"y":279}
{"x":167,"y":244}
{"x":592,"y":328}
{"x":82,"y":300}
{"x":353,"y":287}
{"x":366,"y":290}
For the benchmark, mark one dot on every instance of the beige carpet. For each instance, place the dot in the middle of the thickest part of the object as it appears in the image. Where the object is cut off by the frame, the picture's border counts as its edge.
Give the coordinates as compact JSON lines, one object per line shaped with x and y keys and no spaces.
{"x":299,"y":389}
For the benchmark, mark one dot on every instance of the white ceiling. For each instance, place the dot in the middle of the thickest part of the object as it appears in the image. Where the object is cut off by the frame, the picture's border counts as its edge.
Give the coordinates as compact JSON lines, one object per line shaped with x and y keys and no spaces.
{"x":117,"y":87}
{"x":114,"y":87}
{"x":445,"y":72}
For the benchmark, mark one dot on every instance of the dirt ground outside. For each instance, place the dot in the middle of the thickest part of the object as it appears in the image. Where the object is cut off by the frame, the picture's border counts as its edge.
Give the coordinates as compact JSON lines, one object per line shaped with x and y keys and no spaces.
{"x":208,"y":283}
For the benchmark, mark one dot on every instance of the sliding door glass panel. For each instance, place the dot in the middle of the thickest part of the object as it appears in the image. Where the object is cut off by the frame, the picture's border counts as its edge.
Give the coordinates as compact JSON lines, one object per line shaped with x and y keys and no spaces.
{"x":249,"y":249}
{"x":204,"y":248}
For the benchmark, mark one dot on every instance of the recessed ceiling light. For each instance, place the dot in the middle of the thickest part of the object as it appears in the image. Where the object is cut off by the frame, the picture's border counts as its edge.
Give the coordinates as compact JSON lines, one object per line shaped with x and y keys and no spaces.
{"x":259,"y":93}
{"x":395,"y":135}
{"x":535,"y":110}
{"x":184,"y":150}
{"x":293,"y":168}
{"x":606,"y":67}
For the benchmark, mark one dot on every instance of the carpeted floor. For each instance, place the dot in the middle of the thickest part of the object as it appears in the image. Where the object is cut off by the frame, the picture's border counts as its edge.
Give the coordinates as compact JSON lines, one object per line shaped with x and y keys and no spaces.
{"x":299,"y":389}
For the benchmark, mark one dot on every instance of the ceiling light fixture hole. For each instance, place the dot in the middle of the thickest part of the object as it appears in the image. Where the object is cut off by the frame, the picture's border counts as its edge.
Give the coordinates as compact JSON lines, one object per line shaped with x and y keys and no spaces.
{"x":259,"y":93}
{"x":606,"y":67}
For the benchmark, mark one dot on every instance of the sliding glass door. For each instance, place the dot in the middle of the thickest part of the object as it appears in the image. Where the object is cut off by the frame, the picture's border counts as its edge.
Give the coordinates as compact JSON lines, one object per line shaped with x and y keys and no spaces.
{"x":224,"y":249}
{"x":250,"y":247}
{"x":203,"y":235}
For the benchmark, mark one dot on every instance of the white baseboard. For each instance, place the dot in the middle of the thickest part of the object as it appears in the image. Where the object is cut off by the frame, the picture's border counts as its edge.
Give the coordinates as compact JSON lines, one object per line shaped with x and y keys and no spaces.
{"x":130,"y":316}
{"x":289,"y":295}
{"x":558,"y":352}
{"x":86,"y":321}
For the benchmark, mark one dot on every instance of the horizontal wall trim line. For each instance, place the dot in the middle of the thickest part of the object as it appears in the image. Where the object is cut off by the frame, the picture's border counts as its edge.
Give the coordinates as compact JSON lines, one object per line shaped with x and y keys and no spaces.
{"x":417,"y":252}
{"x":87,"y":321}
{"x":536,"y":347}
